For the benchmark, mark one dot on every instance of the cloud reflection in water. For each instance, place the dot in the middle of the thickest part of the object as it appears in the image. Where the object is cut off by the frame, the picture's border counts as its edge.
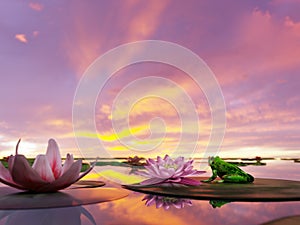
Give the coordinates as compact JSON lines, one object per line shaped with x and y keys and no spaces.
{"x":53,"y":216}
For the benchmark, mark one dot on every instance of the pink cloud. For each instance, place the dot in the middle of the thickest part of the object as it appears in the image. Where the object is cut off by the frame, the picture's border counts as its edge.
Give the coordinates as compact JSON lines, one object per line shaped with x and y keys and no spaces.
{"x":21,"y":37}
{"x":144,"y":23}
{"x":262,"y":45}
{"x":35,"y":33}
{"x":36,"y":6}
{"x":295,"y":26}
{"x":128,"y":24}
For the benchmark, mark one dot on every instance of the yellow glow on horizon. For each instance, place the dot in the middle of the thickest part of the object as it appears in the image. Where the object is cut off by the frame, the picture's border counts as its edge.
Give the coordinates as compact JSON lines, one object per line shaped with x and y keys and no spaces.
{"x":58,"y":122}
{"x":109,"y":137}
{"x":120,"y":177}
{"x":118,"y":148}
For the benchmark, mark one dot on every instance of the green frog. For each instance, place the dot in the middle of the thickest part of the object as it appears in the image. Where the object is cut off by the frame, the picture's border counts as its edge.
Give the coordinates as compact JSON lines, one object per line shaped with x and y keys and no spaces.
{"x":228,"y":172}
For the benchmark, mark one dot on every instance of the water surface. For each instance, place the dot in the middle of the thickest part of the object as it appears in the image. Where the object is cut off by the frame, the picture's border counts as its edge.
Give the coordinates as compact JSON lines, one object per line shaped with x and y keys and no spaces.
{"x":133,"y":210}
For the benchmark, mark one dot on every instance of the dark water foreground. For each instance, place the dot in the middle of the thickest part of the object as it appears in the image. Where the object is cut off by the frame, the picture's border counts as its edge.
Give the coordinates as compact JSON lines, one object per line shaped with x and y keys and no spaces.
{"x":148,"y":209}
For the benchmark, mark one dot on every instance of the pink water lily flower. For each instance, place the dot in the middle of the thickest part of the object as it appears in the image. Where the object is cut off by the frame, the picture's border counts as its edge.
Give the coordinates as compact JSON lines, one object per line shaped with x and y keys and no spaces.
{"x":46,"y":174}
{"x":166,"y":202}
{"x":167,"y":170}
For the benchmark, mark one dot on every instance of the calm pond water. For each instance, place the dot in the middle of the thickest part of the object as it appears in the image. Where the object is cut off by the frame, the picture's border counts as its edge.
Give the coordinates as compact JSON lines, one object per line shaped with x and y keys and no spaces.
{"x":133,"y":209}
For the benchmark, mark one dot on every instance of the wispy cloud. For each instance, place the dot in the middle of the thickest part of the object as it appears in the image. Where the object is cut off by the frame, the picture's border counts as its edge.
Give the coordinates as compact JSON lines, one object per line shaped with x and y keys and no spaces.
{"x":129,"y":24}
{"x":145,"y":22}
{"x":36,"y":6}
{"x":21,"y":38}
{"x":35,"y":33}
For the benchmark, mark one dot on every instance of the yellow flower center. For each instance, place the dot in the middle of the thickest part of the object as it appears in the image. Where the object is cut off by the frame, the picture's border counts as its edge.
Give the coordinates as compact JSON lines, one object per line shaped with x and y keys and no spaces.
{"x":173,"y":165}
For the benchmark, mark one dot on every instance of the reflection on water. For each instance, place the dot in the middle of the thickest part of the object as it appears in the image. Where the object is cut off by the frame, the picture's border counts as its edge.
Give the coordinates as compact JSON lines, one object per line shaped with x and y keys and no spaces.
{"x":54,"y":216}
{"x":207,"y":212}
{"x":179,"y":203}
{"x":218,"y":203}
{"x":166,"y":202}
{"x":289,"y":220}
{"x":132,"y":210}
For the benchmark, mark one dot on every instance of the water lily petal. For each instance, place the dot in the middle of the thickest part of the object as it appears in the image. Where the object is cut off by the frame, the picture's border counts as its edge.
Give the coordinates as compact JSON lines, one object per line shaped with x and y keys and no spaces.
{"x":165,"y":173}
{"x":143,"y":173}
{"x":12,"y":184}
{"x":179,"y":174}
{"x":179,"y":160}
{"x":42,"y":166}
{"x":68,"y":178}
{"x":54,"y":158}
{"x":81,"y":175}
{"x":4,"y":173}
{"x":11,"y":160}
{"x":6,"y":178}
{"x":192,"y":173}
{"x":152,"y":181}
{"x":23,"y":175}
{"x":150,"y":161}
{"x":174,"y":180}
{"x":68,"y":163}
{"x":160,"y":160}
{"x":188,"y":181}
{"x":167,"y":157}
{"x":153,"y":168}
{"x":197,"y":172}
{"x":188,"y":167}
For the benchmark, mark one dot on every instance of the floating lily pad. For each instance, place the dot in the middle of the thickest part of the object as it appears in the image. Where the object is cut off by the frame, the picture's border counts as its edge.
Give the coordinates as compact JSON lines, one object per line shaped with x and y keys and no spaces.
{"x":87,"y":184}
{"x":11,"y":198}
{"x":261,"y":190}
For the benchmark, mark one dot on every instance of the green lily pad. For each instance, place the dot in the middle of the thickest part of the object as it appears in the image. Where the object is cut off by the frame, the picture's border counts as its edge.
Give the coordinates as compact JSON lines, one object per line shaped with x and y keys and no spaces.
{"x":87,"y":184}
{"x":260,"y":190}
{"x":11,"y":198}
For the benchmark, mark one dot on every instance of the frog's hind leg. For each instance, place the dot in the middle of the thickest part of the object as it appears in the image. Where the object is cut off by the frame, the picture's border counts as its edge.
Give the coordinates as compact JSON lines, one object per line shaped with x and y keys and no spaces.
{"x":235,"y":179}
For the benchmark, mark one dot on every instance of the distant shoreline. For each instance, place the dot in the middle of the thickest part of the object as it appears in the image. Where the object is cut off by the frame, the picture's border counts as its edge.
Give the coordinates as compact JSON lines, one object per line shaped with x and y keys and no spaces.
{"x":224,"y":158}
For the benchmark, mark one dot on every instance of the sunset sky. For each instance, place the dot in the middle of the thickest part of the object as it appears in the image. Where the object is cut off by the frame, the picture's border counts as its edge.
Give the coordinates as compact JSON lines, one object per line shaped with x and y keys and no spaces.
{"x":252,"y":47}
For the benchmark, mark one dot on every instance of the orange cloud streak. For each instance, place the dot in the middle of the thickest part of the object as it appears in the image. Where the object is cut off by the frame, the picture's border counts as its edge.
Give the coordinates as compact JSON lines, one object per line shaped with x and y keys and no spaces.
{"x":82,"y":48}
{"x":21,"y":37}
{"x":145,"y":22}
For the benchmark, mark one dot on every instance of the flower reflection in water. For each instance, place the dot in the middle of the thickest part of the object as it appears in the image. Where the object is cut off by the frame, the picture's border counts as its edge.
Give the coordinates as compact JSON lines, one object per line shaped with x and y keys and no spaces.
{"x":166,"y":202}
{"x":54,"y":216}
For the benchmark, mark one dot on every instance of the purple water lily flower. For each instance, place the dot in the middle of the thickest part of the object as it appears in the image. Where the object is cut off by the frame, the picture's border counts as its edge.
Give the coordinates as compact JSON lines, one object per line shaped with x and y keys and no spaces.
{"x":167,"y":170}
{"x":166,"y":202}
{"x":47,"y":173}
